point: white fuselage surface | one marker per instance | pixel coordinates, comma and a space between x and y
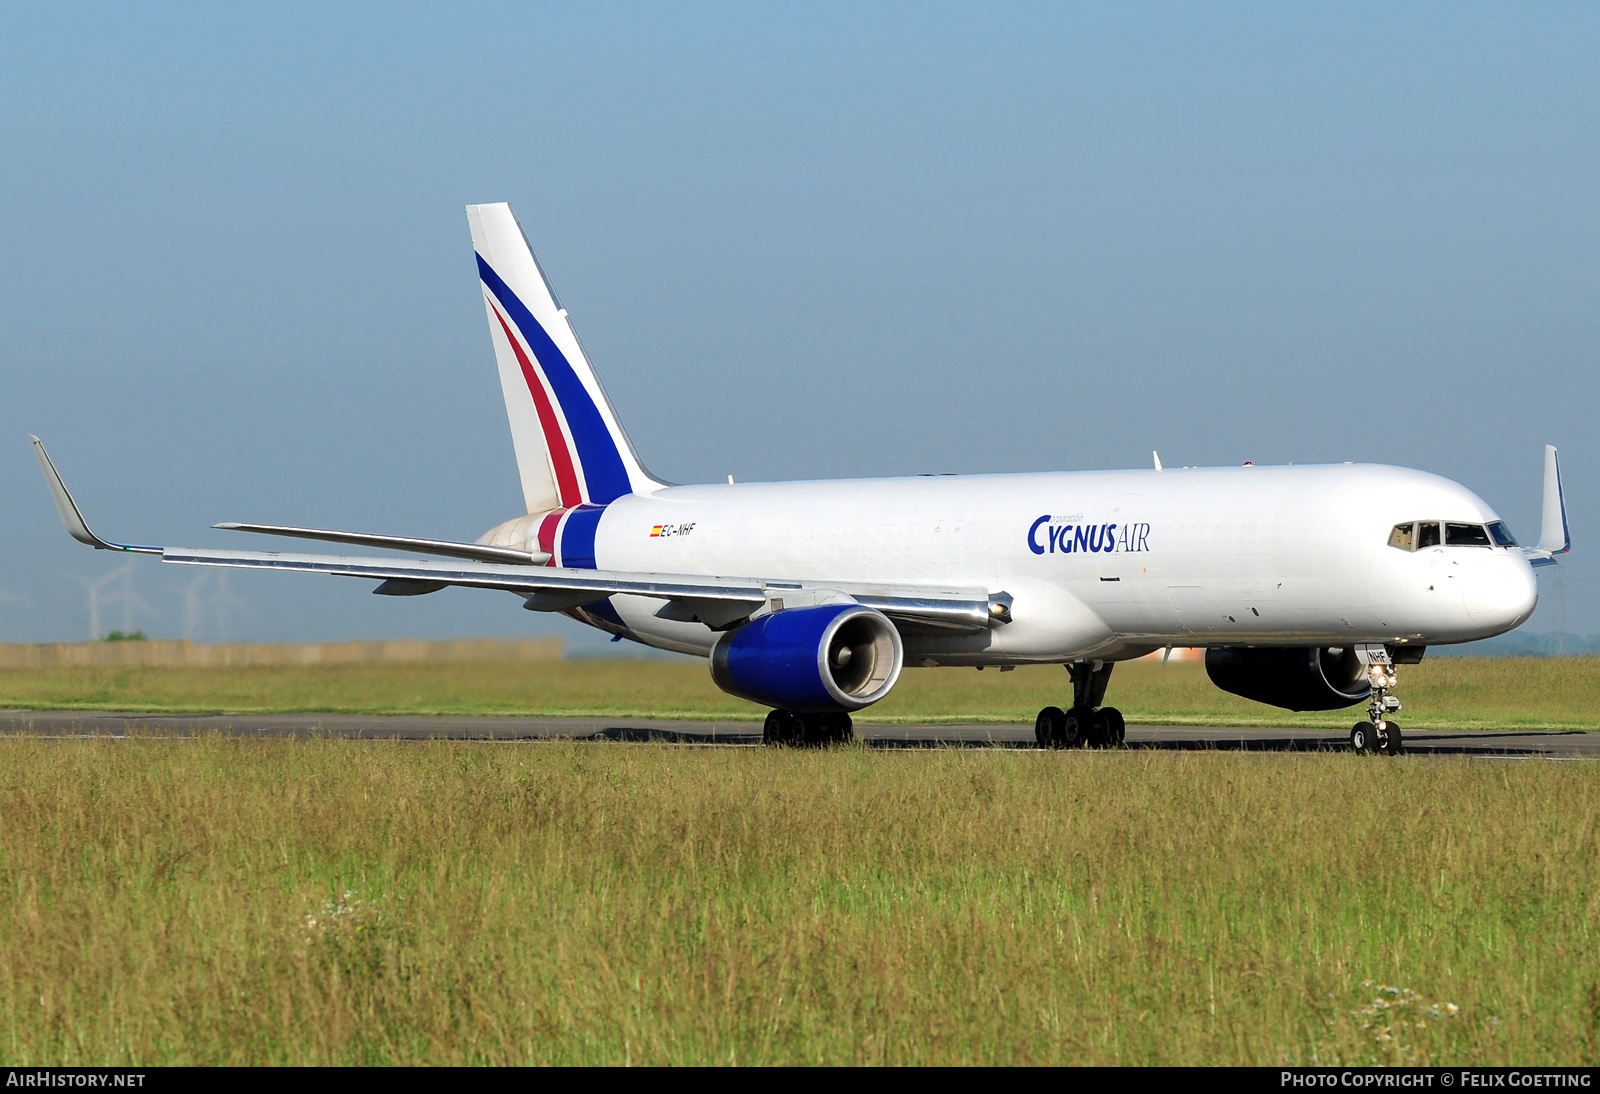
1104, 564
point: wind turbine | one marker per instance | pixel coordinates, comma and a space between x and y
99, 589
191, 605
94, 588
222, 599
131, 599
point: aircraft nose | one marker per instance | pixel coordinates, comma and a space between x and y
1502, 595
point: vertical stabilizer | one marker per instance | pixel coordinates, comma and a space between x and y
571, 449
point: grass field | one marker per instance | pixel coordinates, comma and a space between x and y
218, 900
1440, 694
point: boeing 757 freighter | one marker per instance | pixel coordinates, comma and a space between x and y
1305, 585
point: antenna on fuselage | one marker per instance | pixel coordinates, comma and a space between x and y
1157, 456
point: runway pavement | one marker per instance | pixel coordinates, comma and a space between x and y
72, 723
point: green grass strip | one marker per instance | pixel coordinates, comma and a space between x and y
1443, 693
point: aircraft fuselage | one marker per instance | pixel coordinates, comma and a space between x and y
1099, 563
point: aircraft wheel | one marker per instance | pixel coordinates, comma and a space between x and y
841, 731
1075, 728
1393, 745
1099, 729
1116, 727
1049, 726
809, 730
819, 730
784, 727
1363, 738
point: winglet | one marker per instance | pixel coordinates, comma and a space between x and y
1553, 533
77, 527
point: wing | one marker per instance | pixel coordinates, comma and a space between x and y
715, 600
77, 527
718, 601
449, 548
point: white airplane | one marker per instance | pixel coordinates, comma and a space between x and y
1305, 585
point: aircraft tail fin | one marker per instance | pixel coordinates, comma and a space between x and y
571, 449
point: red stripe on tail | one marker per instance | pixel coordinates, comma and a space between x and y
560, 455
547, 534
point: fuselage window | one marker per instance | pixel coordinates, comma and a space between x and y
1427, 534
1404, 537
1465, 535
1502, 535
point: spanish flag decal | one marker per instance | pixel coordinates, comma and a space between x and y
656, 531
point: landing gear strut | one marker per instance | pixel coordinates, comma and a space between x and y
786, 727
1378, 733
1087, 724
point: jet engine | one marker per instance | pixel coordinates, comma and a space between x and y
822, 659
1298, 678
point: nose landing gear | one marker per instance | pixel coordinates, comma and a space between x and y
1378, 733
1087, 724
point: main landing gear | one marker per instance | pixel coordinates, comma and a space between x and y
1378, 733
1087, 724
786, 727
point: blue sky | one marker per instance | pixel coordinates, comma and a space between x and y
798, 242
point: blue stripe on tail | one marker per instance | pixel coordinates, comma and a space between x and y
577, 536
604, 475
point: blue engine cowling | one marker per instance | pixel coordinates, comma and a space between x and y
823, 659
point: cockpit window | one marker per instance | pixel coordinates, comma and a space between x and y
1465, 535
1415, 535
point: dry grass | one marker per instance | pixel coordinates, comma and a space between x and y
1439, 694
170, 901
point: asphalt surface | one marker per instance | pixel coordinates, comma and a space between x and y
72, 723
